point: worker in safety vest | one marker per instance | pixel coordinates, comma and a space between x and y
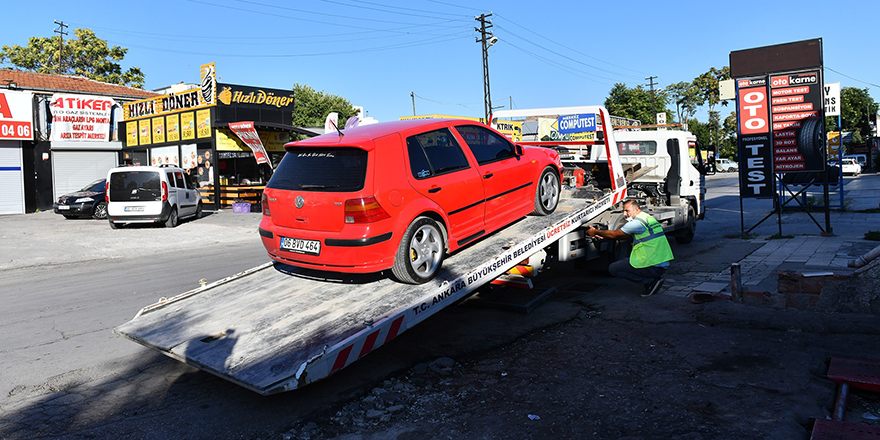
651, 253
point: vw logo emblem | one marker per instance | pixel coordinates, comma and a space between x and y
299, 202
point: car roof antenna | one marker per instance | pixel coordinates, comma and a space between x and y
341, 134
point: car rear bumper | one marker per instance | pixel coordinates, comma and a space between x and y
339, 253
142, 218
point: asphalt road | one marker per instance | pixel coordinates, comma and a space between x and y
66, 375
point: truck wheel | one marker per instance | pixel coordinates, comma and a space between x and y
686, 235
420, 253
173, 219
547, 193
100, 211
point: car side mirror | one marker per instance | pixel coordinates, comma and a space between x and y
518, 149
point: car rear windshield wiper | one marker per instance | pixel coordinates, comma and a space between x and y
303, 186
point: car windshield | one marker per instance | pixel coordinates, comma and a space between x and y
96, 186
331, 169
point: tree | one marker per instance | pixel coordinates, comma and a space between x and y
312, 107
708, 94
635, 103
728, 147
685, 97
857, 110
85, 55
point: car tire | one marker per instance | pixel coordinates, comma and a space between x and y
810, 141
421, 251
173, 219
100, 212
686, 235
115, 225
199, 212
547, 192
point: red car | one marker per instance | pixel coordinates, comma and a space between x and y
401, 195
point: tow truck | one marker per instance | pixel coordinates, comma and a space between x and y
276, 328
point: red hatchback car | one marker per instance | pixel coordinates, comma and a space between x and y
401, 195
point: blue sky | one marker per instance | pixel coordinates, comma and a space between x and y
376, 52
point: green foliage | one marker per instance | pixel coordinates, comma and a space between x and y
857, 108
312, 107
727, 147
84, 55
685, 97
701, 131
707, 86
635, 103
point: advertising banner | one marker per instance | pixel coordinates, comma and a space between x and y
16, 115
164, 156
832, 99
172, 128
755, 155
131, 133
187, 126
80, 118
203, 123
245, 130
797, 121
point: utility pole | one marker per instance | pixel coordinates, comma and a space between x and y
487, 40
653, 106
61, 33
413, 96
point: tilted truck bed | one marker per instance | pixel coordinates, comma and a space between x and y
276, 328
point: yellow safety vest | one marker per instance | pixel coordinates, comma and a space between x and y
650, 248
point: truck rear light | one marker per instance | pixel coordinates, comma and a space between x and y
264, 202
164, 191
364, 210
107, 192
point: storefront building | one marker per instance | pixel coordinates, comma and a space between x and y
57, 135
230, 136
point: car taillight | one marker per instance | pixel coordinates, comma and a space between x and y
164, 191
364, 210
264, 202
107, 192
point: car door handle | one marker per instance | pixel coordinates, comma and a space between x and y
486, 176
435, 189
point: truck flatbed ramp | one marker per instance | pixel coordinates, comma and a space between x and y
275, 328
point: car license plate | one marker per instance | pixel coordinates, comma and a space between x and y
63, 207
134, 209
298, 245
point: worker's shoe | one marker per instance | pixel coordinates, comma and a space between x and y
652, 288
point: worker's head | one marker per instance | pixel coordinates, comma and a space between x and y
631, 209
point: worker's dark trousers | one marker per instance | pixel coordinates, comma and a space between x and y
643, 276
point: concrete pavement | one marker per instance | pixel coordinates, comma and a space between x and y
803, 247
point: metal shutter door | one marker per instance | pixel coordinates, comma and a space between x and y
73, 170
11, 185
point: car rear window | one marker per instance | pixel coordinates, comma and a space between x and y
135, 186
332, 169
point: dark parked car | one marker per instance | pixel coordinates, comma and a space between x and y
87, 202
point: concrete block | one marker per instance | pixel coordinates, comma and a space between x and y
812, 285
801, 301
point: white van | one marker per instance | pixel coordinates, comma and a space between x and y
163, 195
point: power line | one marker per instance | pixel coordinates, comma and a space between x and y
435, 40
454, 5
437, 102
854, 79
318, 21
392, 7
572, 50
578, 73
